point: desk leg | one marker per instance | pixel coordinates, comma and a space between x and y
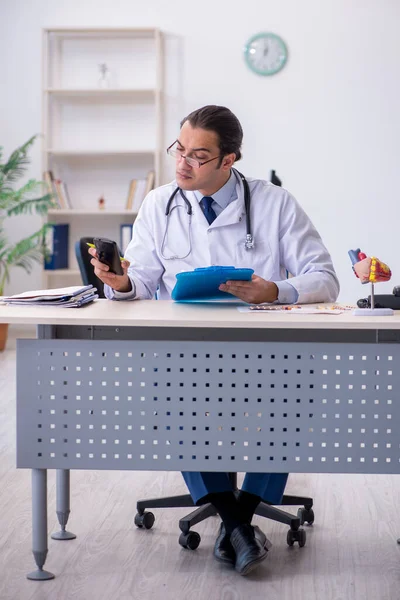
62, 507
39, 524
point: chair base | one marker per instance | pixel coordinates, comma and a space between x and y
264, 509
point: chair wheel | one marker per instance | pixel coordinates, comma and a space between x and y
145, 520
306, 515
296, 536
302, 537
190, 540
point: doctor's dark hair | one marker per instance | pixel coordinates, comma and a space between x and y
224, 123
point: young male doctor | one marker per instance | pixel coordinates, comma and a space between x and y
163, 244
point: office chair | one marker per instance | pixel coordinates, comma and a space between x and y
274, 178
191, 539
87, 272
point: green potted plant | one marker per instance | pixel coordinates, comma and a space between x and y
15, 201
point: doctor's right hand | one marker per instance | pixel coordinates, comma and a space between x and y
120, 283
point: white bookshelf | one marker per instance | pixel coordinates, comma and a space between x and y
97, 138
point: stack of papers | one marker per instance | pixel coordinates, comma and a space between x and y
69, 297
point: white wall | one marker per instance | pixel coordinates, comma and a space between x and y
328, 123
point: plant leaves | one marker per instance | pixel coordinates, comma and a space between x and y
16, 165
40, 205
13, 202
26, 252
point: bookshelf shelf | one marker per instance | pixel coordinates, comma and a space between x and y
104, 32
77, 92
102, 112
103, 152
63, 272
60, 212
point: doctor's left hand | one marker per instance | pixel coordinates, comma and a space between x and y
256, 291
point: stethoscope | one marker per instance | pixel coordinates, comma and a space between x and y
249, 241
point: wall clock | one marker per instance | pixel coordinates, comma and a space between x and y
265, 53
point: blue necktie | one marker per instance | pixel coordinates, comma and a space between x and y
209, 212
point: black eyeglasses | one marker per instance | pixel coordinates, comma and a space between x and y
190, 161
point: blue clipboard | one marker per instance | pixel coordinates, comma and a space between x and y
203, 283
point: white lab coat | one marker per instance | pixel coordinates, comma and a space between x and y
284, 237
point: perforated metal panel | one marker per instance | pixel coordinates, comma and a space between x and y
216, 406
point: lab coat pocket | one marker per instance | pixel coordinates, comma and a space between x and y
260, 258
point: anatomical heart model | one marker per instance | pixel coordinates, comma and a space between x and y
370, 269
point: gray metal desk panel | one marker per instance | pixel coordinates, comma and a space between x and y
226, 406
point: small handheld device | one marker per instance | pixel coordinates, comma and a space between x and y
108, 253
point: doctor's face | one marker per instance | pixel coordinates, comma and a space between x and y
202, 146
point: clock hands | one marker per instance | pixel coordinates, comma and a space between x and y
263, 55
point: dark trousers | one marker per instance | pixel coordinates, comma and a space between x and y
269, 486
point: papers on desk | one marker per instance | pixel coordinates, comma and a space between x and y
295, 309
69, 297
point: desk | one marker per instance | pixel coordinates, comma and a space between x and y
162, 386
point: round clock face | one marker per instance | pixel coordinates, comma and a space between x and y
266, 53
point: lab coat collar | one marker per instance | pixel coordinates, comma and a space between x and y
233, 213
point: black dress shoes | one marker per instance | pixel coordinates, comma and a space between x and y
223, 549
248, 549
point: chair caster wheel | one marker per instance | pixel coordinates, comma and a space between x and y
145, 520
190, 540
296, 536
306, 515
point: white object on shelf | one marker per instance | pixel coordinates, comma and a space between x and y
104, 81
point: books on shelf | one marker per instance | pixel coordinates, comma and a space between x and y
50, 187
66, 194
138, 190
62, 194
139, 195
58, 189
69, 297
131, 193
149, 182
